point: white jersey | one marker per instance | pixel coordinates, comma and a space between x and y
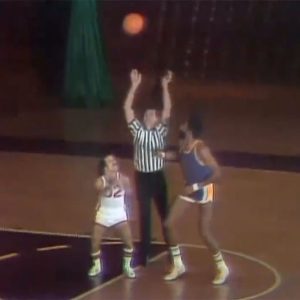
112, 198
112, 206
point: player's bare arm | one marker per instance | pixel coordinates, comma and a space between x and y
99, 184
125, 183
168, 155
135, 78
167, 104
204, 153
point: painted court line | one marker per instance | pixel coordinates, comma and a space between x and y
50, 248
110, 282
277, 278
62, 234
276, 282
7, 256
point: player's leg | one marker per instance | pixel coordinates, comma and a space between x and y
128, 250
177, 210
144, 195
222, 271
162, 206
98, 232
161, 202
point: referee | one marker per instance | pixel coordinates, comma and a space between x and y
149, 136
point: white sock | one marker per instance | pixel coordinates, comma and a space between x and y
127, 257
96, 256
176, 255
219, 261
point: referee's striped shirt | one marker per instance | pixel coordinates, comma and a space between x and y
146, 142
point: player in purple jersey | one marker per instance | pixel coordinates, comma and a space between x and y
201, 171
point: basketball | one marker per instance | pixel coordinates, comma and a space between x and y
133, 23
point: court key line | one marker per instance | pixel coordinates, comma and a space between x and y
8, 256
276, 274
275, 284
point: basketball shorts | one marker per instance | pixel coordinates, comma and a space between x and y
110, 217
202, 196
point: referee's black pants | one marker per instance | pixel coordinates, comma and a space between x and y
150, 186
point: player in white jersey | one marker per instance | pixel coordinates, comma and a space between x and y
112, 187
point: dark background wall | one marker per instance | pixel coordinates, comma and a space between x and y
238, 60
216, 41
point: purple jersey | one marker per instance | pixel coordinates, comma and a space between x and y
194, 170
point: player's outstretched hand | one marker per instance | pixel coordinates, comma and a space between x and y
135, 77
167, 78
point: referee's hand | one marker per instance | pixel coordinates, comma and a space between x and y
167, 78
160, 153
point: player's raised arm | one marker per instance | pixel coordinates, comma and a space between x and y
167, 104
135, 78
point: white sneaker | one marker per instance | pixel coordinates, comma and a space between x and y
176, 272
129, 272
221, 276
96, 268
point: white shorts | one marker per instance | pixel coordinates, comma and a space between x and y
110, 217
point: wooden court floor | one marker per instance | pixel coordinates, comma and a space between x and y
256, 221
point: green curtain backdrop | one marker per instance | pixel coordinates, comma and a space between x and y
87, 79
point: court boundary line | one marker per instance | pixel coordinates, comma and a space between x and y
51, 248
121, 276
276, 282
38, 232
8, 255
276, 274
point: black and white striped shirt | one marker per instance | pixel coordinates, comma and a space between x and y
146, 142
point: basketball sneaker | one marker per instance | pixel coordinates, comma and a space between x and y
129, 272
96, 268
221, 276
176, 272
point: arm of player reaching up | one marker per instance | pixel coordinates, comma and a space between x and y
135, 78
205, 155
167, 104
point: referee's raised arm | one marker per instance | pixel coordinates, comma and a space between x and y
136, 79
149, 137
167, 104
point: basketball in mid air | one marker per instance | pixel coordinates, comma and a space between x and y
133, 23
